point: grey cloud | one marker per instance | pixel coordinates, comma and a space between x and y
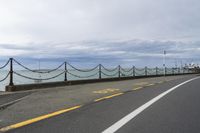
119, 52
78, 20
122, 31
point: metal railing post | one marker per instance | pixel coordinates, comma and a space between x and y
156, 70
65, 71
11, 72
99, 71
119, 71
145, 71
133, 71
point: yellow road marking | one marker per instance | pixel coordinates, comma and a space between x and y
27, 122
141, 83
149, 85
137, 88
104, 91
107, 97
161, 82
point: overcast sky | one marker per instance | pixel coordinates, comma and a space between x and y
101, 31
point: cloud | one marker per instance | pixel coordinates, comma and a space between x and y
138, 52
78, 20
122, 31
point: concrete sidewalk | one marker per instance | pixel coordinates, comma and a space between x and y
40, 102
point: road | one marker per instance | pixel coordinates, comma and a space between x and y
177, 111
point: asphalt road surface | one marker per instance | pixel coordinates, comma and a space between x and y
163, 108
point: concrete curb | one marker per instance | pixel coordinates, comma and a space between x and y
3, 106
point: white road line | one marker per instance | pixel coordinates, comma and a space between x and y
133, 114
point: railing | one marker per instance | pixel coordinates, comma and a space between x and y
66, 69
7, 75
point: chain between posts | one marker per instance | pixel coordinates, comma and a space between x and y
82, 76
82, 70
127, 71
5, 64
37, 71
109, 70
8, 74
119, 71
110, 75
39, 78
5, 77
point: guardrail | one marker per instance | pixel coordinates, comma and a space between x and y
100, 71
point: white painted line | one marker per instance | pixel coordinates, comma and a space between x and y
133, 114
